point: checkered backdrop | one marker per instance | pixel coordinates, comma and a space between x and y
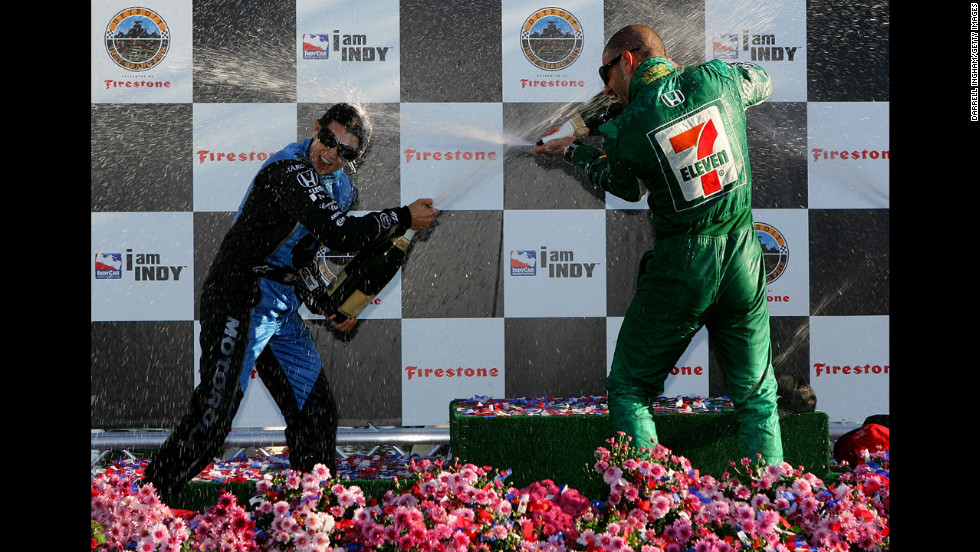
520, 286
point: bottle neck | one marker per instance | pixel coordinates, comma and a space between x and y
402, 242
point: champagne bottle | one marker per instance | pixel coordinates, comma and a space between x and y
345, 291
586, 120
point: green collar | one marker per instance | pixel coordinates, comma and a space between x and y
648, 71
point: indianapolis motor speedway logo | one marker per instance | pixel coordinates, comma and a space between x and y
137, 39
552, 38
775, 250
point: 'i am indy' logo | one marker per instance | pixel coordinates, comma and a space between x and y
750, 47
346, 47
700, 156
143, 267
552, 38
555, 263
137, 39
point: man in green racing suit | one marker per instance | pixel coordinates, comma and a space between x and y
682, 140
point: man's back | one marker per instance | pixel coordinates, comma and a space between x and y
683, 138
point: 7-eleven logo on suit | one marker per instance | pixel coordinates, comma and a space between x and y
700, 155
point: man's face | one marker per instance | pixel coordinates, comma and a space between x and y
619, 78
327, 158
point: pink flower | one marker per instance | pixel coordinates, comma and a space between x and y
321, 472
801, 487
281, 508
613, 476
660, 505
158, 533
766, 521
744, 513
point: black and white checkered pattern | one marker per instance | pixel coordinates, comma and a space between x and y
459, 322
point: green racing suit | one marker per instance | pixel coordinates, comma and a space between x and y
682, 141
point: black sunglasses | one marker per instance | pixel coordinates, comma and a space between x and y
604, 70
329, 140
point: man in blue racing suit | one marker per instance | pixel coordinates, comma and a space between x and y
250, 312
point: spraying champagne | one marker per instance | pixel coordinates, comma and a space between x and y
329, 287
585, 122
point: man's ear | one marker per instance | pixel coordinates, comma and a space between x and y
631, 60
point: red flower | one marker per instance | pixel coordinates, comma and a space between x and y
184, 514
485, 515
528, 530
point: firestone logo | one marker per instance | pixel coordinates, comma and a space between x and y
552, 39
137, 39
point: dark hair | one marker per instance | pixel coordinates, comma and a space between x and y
353, 119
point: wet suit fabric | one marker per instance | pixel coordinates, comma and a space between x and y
250, 316
682, 140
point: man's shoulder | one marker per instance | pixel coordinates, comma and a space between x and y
728, 67
285, 166
711, 65
289, 159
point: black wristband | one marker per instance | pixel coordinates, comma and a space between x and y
570, 149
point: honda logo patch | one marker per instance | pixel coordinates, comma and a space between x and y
673, 98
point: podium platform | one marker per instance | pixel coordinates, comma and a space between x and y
555, 438
559, 444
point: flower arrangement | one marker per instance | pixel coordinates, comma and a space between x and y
657, 502
125, 516
455, 507
224, 527
302, 511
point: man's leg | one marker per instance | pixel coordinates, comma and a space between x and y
292, 371
659, 325
740, 330
198, 437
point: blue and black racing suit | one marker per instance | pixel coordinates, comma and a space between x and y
250, 315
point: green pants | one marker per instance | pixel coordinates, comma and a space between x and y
686, 282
